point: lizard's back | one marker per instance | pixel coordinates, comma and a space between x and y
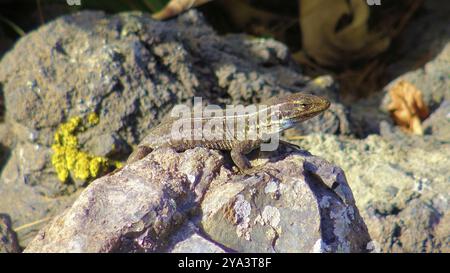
220, 132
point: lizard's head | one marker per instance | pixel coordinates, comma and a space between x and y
299, 107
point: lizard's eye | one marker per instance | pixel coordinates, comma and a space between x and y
303, 105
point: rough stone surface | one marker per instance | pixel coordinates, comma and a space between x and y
189, 239
134, 210
401, 181
8, 239
401, 190
285, 207
131, 71
288, 209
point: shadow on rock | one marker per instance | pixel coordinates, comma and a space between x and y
8, 238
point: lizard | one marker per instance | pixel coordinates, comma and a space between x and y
282, 112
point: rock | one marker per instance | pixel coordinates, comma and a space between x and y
366, 118
162, 188
195, 243
130, 70
438, 123
177, 197
400, 186
291, 210
190, 240
400, 181
8, 238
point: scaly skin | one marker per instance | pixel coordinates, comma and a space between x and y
285, 112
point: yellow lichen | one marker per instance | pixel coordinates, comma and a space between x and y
81, 170
118, 164
58, 161
93, 119
97, 165
68, 160
71, 157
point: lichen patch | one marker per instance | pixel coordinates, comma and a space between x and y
242, 211
69, 160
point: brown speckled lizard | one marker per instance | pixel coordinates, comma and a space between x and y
280, 113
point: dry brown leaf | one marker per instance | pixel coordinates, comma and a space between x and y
175, 7
407, 107
331, 45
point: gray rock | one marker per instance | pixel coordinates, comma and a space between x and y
366, 118
288, 209
189, 239
438, 124
8, 238
195, 243
130, 70
285, 207
401, 181
401, 188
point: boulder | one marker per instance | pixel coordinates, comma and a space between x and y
195, 201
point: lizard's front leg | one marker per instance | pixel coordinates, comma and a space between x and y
238, 155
